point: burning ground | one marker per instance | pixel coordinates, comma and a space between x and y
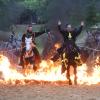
47, 72
47, 83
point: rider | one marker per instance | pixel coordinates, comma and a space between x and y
29, 34
69, 34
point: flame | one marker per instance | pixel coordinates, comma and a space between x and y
57, 45
48, 71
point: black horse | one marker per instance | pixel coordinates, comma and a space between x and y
70, 57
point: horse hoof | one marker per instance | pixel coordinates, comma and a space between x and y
70, 83
75, 82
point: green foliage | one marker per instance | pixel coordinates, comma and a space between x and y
92, 15
39, 6
51, 10
34, 4
9, 12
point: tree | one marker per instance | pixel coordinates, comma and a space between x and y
91, 18
9, 12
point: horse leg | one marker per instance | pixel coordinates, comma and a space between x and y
37, 55
34, 65
22, 58
75, 74
68, 74
63, 68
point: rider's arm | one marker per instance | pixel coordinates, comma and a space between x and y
59, 27
39, 33
62, 32
79, 30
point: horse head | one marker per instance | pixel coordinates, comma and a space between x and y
29, 46
28, 42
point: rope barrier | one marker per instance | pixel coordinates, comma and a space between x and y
86, 47
10, 50
90, 48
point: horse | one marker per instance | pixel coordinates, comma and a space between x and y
70, 57
29, 57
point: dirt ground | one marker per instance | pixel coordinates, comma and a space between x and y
49, 92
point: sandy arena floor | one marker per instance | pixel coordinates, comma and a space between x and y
49, 92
